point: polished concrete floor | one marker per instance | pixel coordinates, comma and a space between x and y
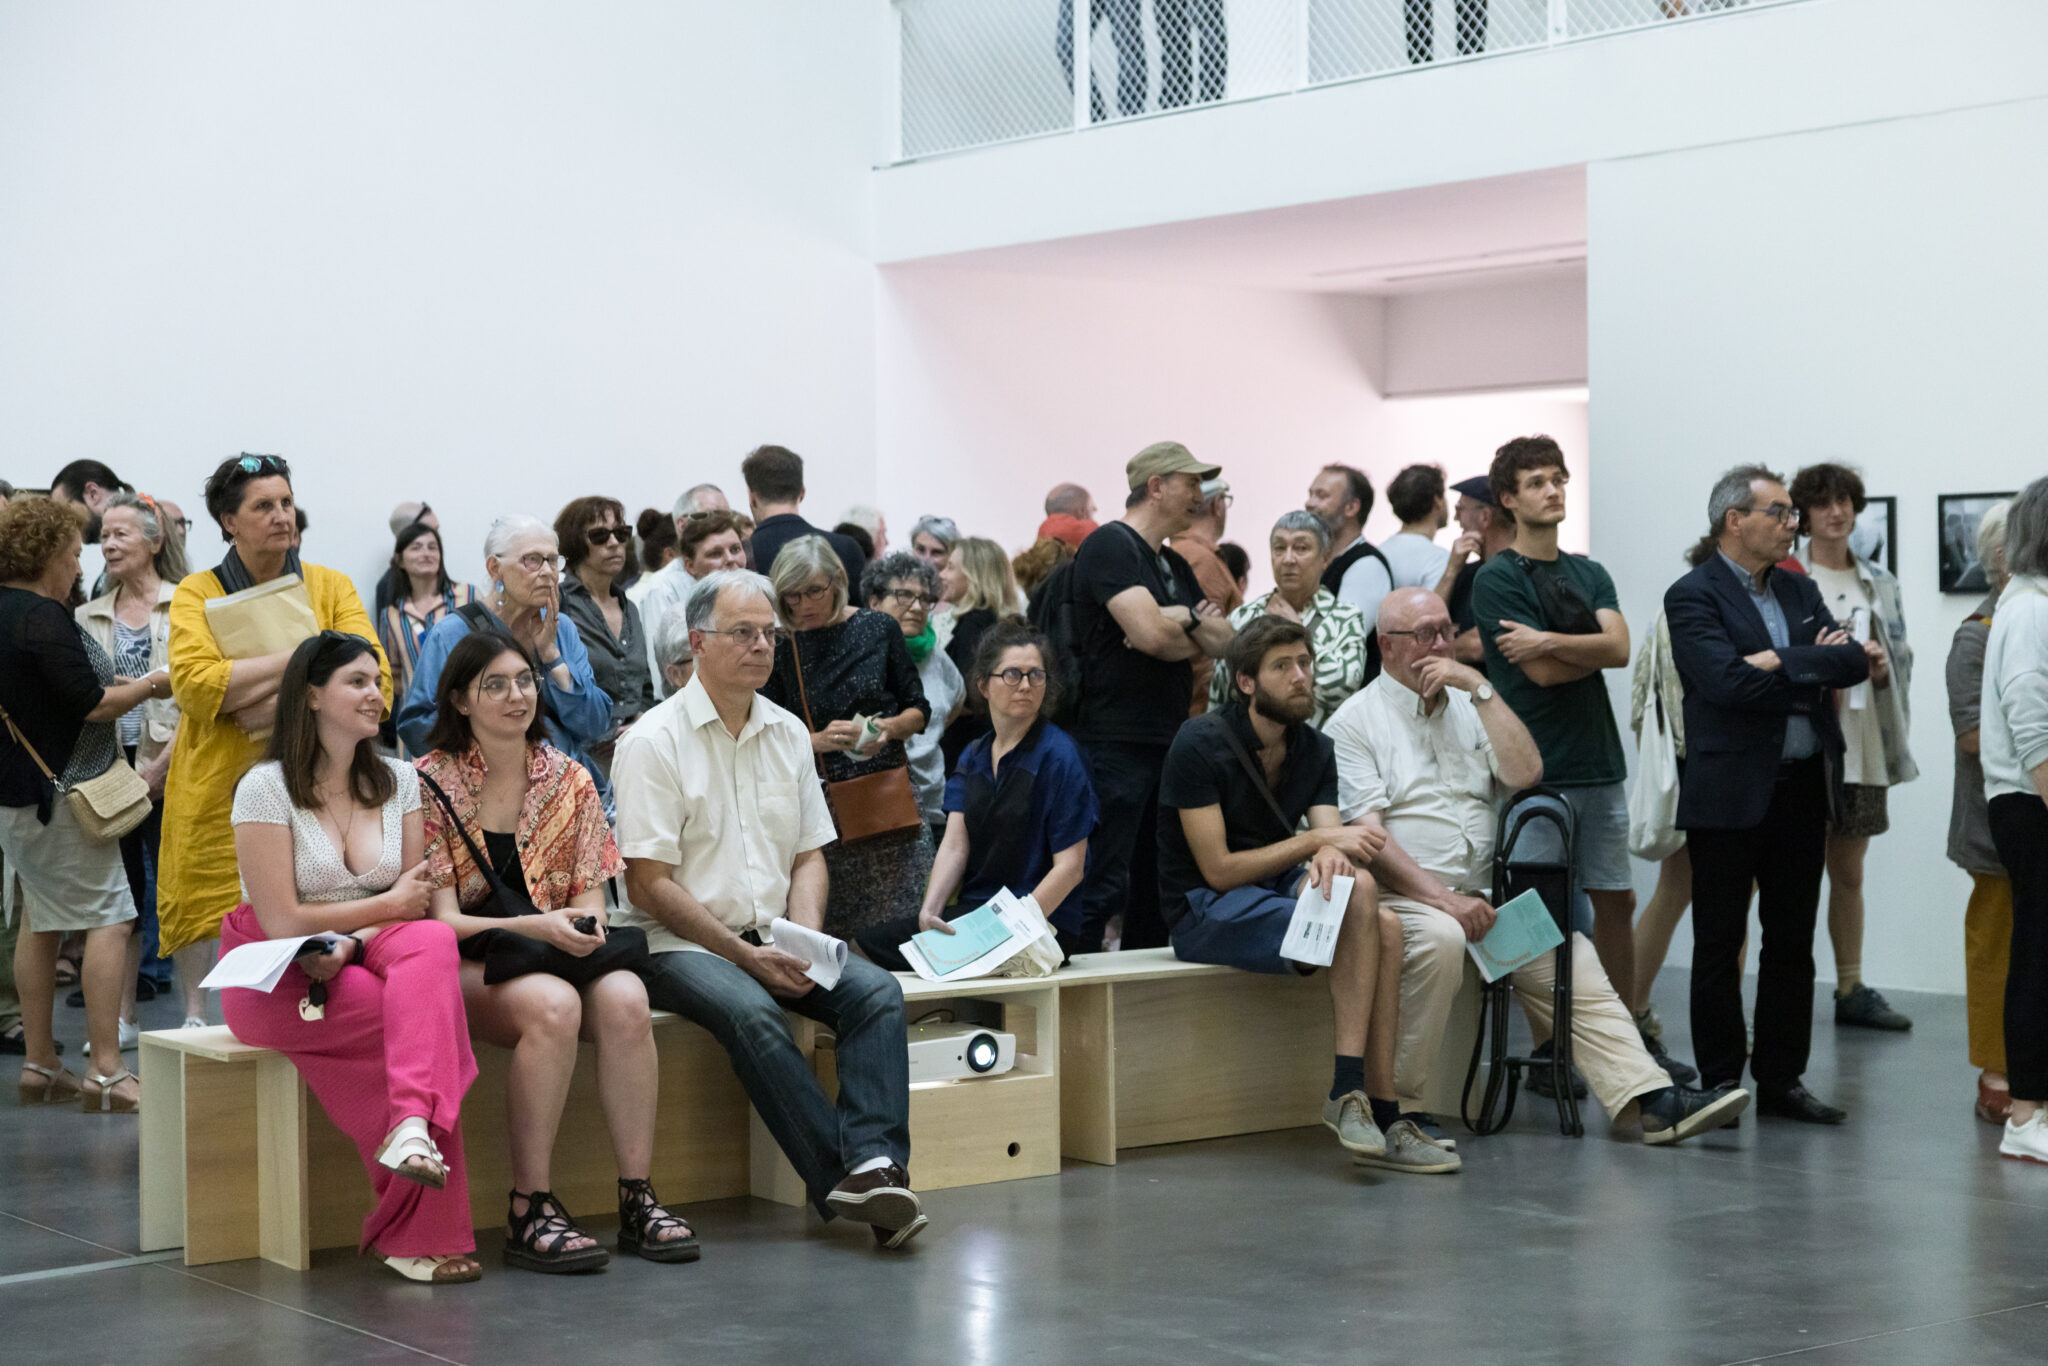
1901, 1238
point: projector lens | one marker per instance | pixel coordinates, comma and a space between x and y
982, 1053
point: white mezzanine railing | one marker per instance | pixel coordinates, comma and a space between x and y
973, 72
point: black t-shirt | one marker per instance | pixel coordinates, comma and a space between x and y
775, 532
1127, 695
1202, 770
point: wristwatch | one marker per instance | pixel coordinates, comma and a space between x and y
1483, 693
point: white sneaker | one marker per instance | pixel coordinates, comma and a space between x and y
131, 1035
195, 1022
1409, 1150
1349, 1117
2027, 1142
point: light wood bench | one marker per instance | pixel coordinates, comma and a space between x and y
238, 1162
1156, 1050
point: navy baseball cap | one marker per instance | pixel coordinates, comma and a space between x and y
1478, 488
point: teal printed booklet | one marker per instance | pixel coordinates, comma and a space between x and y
981, 941
1523, 933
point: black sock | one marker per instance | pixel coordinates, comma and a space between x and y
1350, 1076
1384, 1112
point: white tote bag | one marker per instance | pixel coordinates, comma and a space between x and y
1653, 832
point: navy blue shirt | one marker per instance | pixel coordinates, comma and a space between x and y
1038, 804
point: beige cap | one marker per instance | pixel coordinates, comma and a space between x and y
1166, 457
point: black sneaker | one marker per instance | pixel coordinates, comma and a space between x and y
1431, 1130
1680, 1074
1866, 1008
1678, 1112
1537, 1079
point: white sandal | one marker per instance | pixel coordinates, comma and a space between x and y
409, 1141
434, 1270
109, 1103
57, 1086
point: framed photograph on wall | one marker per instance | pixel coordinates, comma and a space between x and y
1876, 537
1959, 514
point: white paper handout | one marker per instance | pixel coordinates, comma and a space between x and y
825, 954
260, 966
1312, 930
1859, 631
982, 940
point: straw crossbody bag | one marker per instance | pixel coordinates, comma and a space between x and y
870, 805
106, 807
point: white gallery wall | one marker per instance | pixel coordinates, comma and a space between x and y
992, 387
1870, 294
493, 255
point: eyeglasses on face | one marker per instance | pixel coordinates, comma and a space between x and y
1017, 678
498, 687
1782, 513
746, 637
263, 464
811, 592
604, 535
910, 595
1428, 637
533, 562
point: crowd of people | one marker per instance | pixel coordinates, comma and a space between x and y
526, 811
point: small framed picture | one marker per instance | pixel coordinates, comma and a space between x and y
1959, 514
1876, 537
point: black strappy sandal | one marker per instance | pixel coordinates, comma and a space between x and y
642, 1221
539, 1238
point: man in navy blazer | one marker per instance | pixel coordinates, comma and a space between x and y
1759, 656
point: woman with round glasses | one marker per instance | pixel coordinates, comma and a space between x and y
534, 814
330, 842
907, 588
1020, 807
593, 535
522, 565
848, 673
228, 705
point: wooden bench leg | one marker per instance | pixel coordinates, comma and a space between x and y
1088, 1073
220, 1152
163, 1146
283, 1201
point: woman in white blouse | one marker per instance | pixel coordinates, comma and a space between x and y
330, 842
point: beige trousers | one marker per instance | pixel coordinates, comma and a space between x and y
1606, 1046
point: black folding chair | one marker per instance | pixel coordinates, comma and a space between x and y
1554, 881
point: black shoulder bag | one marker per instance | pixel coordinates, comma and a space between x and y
1565, 609
506, 954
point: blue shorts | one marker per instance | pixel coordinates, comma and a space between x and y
1243, 927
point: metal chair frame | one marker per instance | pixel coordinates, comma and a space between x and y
1556, 882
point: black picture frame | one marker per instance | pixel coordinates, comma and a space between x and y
1955, 530
1876, 537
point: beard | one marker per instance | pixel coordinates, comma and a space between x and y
1281, 710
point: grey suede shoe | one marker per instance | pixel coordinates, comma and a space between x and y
1409, 1150
1349, 1117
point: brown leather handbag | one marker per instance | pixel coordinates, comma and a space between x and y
870, 805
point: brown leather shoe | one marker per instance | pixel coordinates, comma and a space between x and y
883, 1198
1994, 1106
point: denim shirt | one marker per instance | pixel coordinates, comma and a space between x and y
1802, 741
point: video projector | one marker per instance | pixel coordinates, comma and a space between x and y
956, 1052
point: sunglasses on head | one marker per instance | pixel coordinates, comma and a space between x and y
263, 464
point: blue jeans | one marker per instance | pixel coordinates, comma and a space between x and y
865, 1012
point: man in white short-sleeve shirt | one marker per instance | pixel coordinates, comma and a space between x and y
721, 821
1424, 753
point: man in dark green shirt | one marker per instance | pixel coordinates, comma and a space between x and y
1551, 623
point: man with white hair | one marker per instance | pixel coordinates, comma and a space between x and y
522, 599
668, 588
723, 822
1424, 754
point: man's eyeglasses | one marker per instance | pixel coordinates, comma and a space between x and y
498, 687
1017, 678
1782, 513
604, 535
746, 637
533, 562
263, 464
910, 595
1428, 637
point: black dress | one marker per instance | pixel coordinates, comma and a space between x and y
859, 667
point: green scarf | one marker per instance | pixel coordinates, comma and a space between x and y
921, 645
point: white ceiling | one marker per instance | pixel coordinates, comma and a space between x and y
1477, 232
